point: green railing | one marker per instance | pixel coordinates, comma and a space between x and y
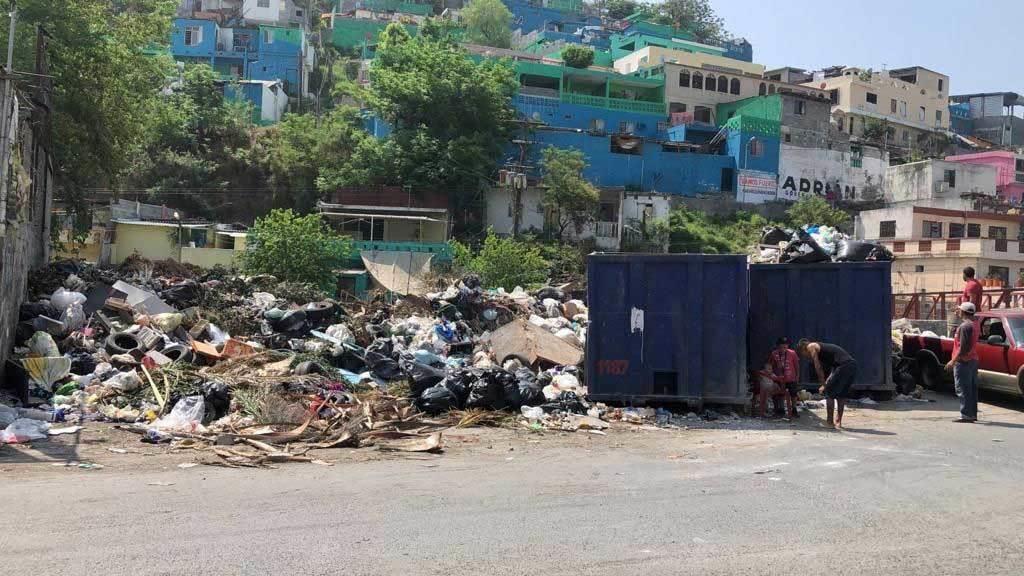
442, 251
615, 103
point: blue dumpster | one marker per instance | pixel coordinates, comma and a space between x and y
667, 328
849, 304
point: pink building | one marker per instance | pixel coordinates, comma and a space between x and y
1009, 172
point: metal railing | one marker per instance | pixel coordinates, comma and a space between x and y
614, 103
606, 229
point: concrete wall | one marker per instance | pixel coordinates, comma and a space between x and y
909, 99
207, 41
500, 210
866, 225
554, 112
910, 223
691, 96
1009, 182
924, 183
210, 257
654, 55
831, 173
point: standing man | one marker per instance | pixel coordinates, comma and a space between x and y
836, 371
972, 288
964, 363
786, 371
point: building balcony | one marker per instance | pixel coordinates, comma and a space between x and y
388, 197
640, 106
990, 248
606, 229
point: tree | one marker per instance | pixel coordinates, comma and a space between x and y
393, 35
813, 209
619, 9
689, 231
567, 193
294, 249
577, 56
877, 130
695, 16
507, 263
488, 22
450, 118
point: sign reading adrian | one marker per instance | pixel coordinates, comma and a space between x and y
755, 187
793, 188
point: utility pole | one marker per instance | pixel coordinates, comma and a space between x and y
5, 117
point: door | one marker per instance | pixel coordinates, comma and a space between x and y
994, 356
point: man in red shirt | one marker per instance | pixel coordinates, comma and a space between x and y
972, 289
964, 364
786, 371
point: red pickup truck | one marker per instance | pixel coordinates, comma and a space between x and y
1000, 353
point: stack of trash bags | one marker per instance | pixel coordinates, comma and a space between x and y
813, 244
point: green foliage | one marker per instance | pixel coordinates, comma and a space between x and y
567, 193
689, 231
812, 209
488, 22
577, 56
294, 248
392, 36
507, 263
462, 255
877, 130
619, 9
695, 16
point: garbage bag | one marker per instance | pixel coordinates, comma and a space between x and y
422, 376
167, 322
773, 235
41, 345
82, 362
550, 292
183, 295
379, 360
44, 372
292, 321
124, 381
566, 402
7, 415
186, 416
217, 400
24, 430
804, 251
341, 332
458, 389
31, 310
487, 392
471, 281
61, 298
436, 400
73, 317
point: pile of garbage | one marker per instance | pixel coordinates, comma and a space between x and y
814, 244
257, 371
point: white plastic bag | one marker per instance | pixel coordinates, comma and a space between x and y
24, 430
73, 317
7, 415
341, 332
187, 415
532, 412
569, 336
217, 336
124, 381
62, 298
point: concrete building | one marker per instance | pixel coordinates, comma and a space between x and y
650, 56
911, 102
992, 116
933, 245
225, 12
1009, 168
940, 184
188, 241
267, 97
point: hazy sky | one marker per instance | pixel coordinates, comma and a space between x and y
978, 43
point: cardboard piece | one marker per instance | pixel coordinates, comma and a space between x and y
142, 300
531, 343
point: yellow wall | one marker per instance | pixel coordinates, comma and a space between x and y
152, 242
657, 55
210, 257
853, 99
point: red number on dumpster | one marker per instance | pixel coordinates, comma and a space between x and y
612, 367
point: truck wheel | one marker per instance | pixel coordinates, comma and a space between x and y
929, 373
1020, 380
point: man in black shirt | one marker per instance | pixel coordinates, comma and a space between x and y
836, 371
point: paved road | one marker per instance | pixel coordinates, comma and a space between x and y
904, 491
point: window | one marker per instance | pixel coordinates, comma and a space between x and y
956, 230
235, 69
840, 121
597, 124
1019, 164
949, 177
920, 114
723, 84
998, 232
974, 230
887, 229
727, 180
263, 3
193, 35
952, 245
1001, 273
938, 117
899, 246
702, 114
931, 229
762, 90
268, 36
684, 79
918, 268
799, 107
905, 137
872, 98
892, 106
903, 109
627, 127
756, 147
298, 12
924, 246
709, 83
1001, 244
851, 125
789, 137
734, 86
833, 96
942, 84
771, 89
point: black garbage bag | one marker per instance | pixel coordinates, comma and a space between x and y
550, 292
531, 393
82, 362
217, 401
379, 359
436, 400
566, 402
32, 310
853, 251
421, 376
458, 389
880, 254
292, 321
772, 235
183, 295
471, 281
487, 392
804, 251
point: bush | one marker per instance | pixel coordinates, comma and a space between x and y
295, 248
507, 263
577, 56
811, 210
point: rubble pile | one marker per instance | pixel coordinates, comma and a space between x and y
813, 244
253, 372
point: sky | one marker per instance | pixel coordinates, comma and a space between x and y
977, 43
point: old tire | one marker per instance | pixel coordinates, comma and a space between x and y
317, 311
121, 343
1020, 380
929, 371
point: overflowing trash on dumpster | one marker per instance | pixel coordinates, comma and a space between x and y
811, 244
